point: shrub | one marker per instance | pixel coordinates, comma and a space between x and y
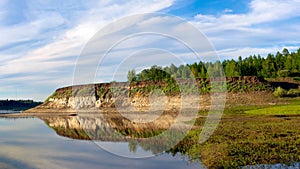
279, 92
297, 78
284, 73
294, 92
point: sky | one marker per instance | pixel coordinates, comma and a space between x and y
41, 40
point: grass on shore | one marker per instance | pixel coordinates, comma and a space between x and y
248, 135
276, 110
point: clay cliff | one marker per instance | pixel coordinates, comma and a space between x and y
144, 95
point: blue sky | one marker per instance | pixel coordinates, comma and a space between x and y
41, 39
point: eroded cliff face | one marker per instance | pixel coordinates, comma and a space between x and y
141, 95
78, 102
139, 103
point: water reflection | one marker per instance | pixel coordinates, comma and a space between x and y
29, 143
8, 111
6, 163
100, 130
274, 166
118, 135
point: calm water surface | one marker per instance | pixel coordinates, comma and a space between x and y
30, 143
8, 111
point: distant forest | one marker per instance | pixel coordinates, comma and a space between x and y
17, 104
282, 64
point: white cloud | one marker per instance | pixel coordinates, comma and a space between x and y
260, 12
227, 10
168, 33
267, 23
63, 36
32, 30
64, 44
230, 53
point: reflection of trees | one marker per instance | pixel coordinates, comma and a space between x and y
132, 145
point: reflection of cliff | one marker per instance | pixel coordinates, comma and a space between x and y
109, 126
116, 129
67, 126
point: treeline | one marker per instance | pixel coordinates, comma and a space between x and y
282, 64
18, 104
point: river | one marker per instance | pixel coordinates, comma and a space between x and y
30, 143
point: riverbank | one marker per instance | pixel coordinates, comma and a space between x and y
248, 136
256, 127
143, 94
258, 130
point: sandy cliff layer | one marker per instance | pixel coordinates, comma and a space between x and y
143, 95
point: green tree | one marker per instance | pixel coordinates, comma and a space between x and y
285, 52
282, 64
231, 69
131, 76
